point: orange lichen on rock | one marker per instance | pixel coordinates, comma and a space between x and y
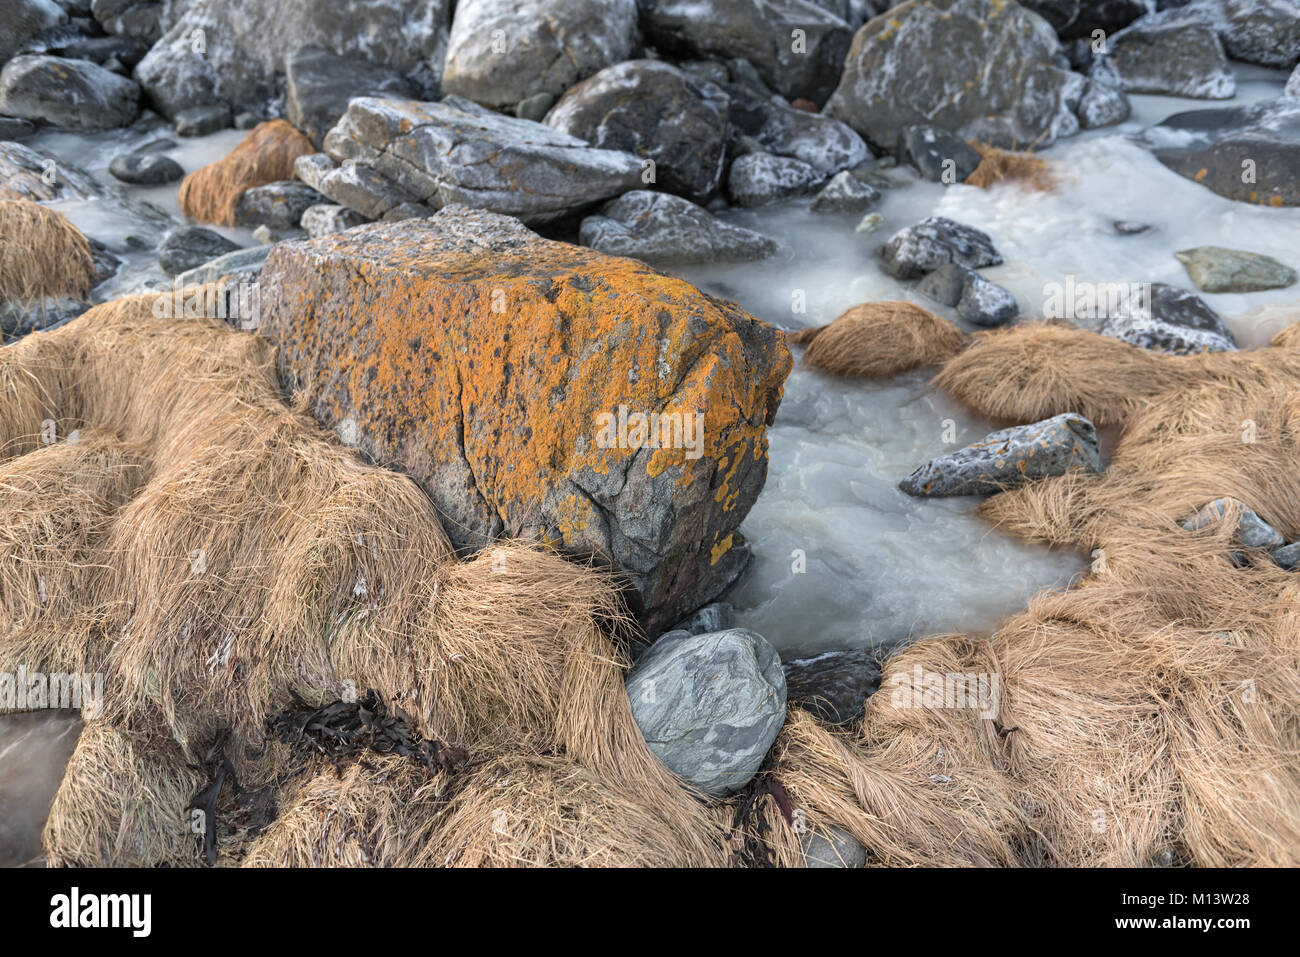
264, 156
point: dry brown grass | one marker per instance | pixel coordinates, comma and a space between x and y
41, 254
879, 339
265, 155
1010, 166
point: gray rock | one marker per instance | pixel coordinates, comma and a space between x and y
246, 120
662, 228
1127, 227
1010, 458
1216, 269
845, 193
1293, 84
837, 848
202, 120
139, 18
936, 154
106, 264
757, 179
985, 303
1169, 320
1217, 148
1251, 532
1178, 60
127, 50
709, 706
501, 52
1076, 19
438, 154
145, 169
240, 266
18, 319
706, 71
655, 111
358, 186
244, 45
23, 19
190, 246
758, 32
323, 219
714, 617
833, 685
22, 170
912, 252
71, 93
1266, 32
945, 284
12, 128
978, 68
1103, 104
318, 85
276, 205
1288, 556
536, 107
825, 144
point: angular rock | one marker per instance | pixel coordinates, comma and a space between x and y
202, 120
139, 18
323, 219
1216, 148
508, 374
833, 685
709, 706
1103, 104
503, 51
845, 193
1293, 84
936, 154
190, 246
662, 228
932, 62
1251, 532
912, 252
1216, 269
127, 50
1077, 19
240, 266
439, 155
24, 19
985, 303
945, 284
72, 93
318, 85
355, 185
1010, 458
1169, 320
714, 617
244, 45
1288, 556
1266, 32
276, 205
22, 176
655, 111
825, 144
1179, 60
106, 264
761, 33
757, 179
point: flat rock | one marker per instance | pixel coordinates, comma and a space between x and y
709, 706
325, 218
22, 176
1178, 60
931, 62
936, 154
502, 51
202, 120
358, 186
276, 205
1251, 531
73, 93
145, 169
845, 193
1009, 458
1216, 269
439, 154
662, 228
985, 303
916, 250
833, 685
653, 110
509, 375
190, 246
1171, 320
757, 179
318, 85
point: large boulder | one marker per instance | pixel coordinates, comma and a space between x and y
979, 68
797, 46
439, 153
1178, 60
1266, 32
1247, 153
662, 228
657, 112
513, 377
72, 93
217, 51
319, 83
1168, 319
501, 52
709, 706
914, 251
23, 19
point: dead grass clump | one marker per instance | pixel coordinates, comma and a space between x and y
1287, 338
1003, 166
41, 254
265, 155
879, 339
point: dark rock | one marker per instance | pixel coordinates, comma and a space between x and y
323, 219
24, 19
145, 169
833, 685
823, 143
655, 111
536, 107
1075, 19
710, 618
319, 84
662, 228
1010, 458
1179, 60
240, 266
190, 246
757, 179
1169, 320
18, 319
202, 120
761, 33
137, 18
1126, 227
1103, 104
709, 706
71, 93
1293, 84
1251, 531
12, 128
936, 154
106, 264
985, 303
127, 50
1288, 556
706, 71
845, 193
1215, 269
945, 284
912, 252
501, 52
979, 68
246, 120
276, 205
1266, 32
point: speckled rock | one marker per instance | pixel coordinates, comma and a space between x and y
709, 706
916, 250
936, 154
186, 247
1009, 458
318, 84
1169, 319
837, 848
985, 303
72, 93
845, 193
1216, 269
23, 19
825, 144
1103, 104
21, 169
1266, 32
535, 361
1288, 556
277, 205
358, 186
757, 179
325, 218
242, 265
662, 228
1251, 531
1179, 60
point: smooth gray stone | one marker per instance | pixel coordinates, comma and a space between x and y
71, 93
324, 219
945, 284
202, 120
190, 246
936, 153
757, 179
841, 849
145, 169
663, 228
242, 265
1176, 60
276, 205
1216, 269
319, 84
1251, 532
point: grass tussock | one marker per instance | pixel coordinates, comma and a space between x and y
1010, 166
878, 339
41, 254
265, 155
